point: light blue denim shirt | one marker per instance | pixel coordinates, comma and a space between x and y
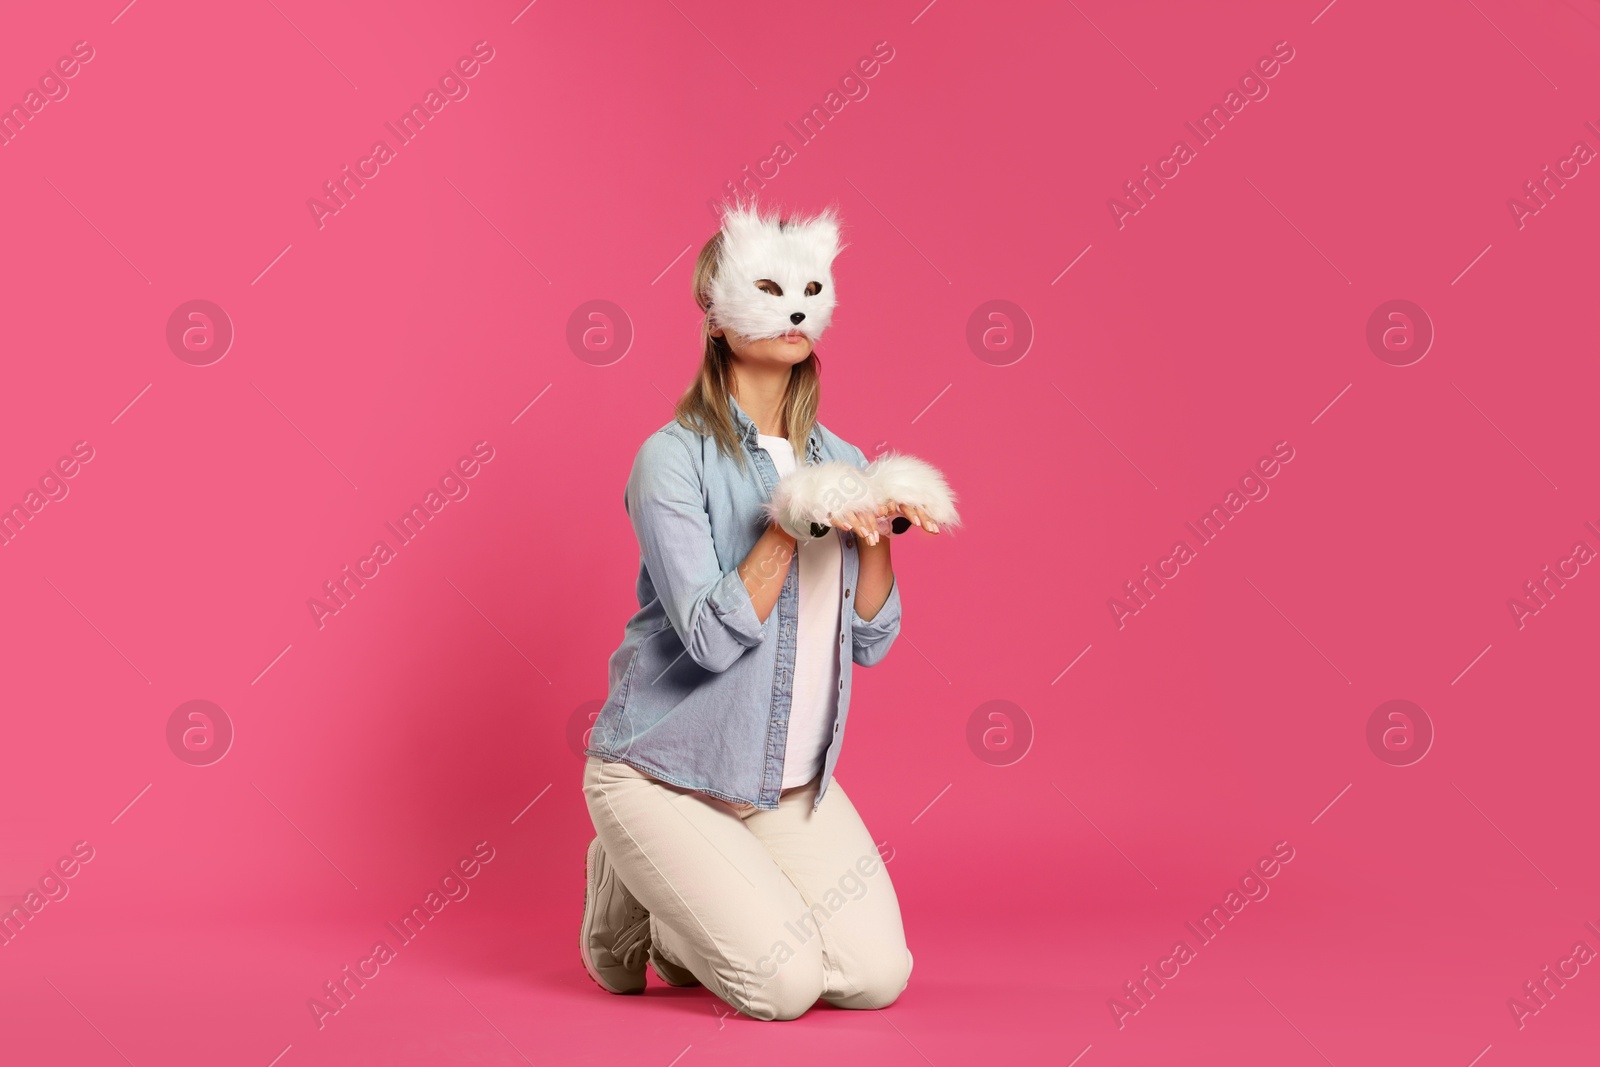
700, 688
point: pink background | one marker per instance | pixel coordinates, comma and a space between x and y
432, 310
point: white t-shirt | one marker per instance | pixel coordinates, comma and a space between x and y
816, 665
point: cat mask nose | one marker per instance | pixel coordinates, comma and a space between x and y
798, 317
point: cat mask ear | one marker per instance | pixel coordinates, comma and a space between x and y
775, 275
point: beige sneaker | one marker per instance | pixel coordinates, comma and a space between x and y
614, 938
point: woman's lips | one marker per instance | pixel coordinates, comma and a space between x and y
794, 337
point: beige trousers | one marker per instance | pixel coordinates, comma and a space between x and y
770, 910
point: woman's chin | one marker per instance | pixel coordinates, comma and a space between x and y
796, 350
790, 348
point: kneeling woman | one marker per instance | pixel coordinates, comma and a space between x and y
726, 853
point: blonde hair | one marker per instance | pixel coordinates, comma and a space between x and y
704, 406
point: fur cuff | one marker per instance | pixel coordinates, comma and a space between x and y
902, 479
806, 498
803, 499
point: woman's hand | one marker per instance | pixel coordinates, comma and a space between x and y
864, 521
860, 521
916, 515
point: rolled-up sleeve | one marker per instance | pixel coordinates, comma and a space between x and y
710, 610
872, 639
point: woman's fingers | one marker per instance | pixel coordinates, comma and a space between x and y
920, 517
864, 521
860, 522
867, 525
894, 510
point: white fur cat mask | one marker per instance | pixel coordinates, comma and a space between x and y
795, 257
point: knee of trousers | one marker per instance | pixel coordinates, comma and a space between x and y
784, 995
876, 983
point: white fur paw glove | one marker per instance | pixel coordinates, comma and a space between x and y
902, 479
806, 498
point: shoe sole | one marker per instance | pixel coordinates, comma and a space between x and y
583, 928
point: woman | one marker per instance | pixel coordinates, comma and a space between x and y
726, 854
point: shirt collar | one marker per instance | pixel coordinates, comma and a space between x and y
749, 431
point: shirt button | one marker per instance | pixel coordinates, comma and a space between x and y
841, 684
847, 592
